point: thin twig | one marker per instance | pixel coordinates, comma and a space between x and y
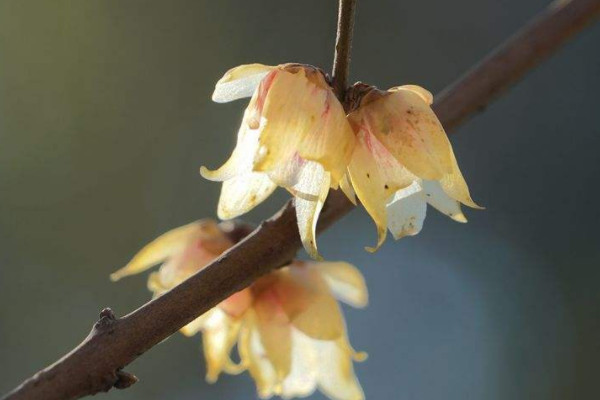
343, 46
95, 365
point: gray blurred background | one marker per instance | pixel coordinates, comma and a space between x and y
105, 117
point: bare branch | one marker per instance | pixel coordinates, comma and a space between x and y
96, 364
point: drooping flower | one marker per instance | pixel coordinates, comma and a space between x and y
403, 160
288, 326
294, 134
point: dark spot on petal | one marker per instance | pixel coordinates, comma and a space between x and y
386, 186
368, 176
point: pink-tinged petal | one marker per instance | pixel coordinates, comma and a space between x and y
406, 125
406, 211
345, 282
301, 116
242, 193
439, 200
240, 82
237, 304
174, 243
455, 186
376, 175
336, 372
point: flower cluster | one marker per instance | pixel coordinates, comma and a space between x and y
390, 151
288, 326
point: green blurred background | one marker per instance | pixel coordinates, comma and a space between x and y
105, 117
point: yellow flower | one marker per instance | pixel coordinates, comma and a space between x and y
403, 160
294, 134
288, 326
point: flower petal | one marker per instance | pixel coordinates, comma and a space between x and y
345, 281
240, 82
242, 193
274, 327
406, 211
410, 130
304, 118
336, 372
422, 92
166, 245
315, 183
302, 380
455, 186
252, 354
375, 176
436, 196
220, 333
306, 299
348, 190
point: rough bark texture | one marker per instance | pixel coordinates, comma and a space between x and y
95, 365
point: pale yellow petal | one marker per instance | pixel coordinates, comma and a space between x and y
455, 186
220, 333
274, 326
315, 182
242, 193
438, 199
336, 372
240, 82
376, 175
406, 211
196, 325
422, 92
347, 188
406, 125
252, 354
308, 303
345, 281
159, 250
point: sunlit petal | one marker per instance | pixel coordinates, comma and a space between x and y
336, 372
376, 175
240, 82
160, 249
455, 186
242, 193
345, 281
438, 199
406, 211
220, 333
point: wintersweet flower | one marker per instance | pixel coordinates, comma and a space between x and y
294, 134
402, 160
288, 326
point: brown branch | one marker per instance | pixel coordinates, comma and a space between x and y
343, 45
95, 365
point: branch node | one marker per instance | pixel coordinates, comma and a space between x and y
107, 318
125, 379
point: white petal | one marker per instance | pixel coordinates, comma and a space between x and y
240, 82
436, 196
302, 380
336, 373
242, 193
406, 211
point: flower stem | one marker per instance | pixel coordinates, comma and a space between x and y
343, 45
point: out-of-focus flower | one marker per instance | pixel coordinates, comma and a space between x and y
403, 160
294, 134
288, 326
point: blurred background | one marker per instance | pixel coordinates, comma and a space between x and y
105, 118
